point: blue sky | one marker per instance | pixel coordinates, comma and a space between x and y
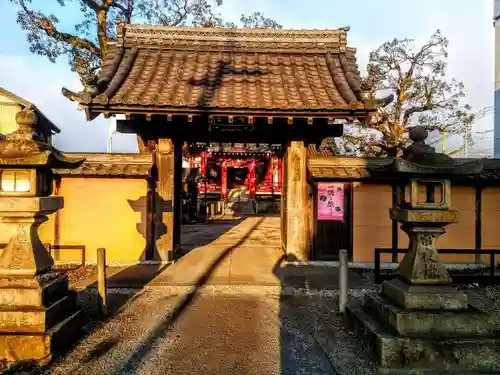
466, 23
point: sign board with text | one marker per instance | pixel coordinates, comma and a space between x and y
330, 201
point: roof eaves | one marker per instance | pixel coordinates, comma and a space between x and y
16, 98
25, 103
44, 120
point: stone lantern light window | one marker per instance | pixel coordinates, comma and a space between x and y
423, 193
18, 182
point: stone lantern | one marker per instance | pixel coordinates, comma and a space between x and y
37, 312
420, 321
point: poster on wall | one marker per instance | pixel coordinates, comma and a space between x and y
331, 201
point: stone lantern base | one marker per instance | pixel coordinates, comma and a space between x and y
428, 328
37, 317
420, 323
38, 313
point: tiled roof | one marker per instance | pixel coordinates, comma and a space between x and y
491, 170
313, 150
114, 165
342, 167
250, 69
352, 168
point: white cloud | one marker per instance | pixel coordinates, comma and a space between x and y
39, 81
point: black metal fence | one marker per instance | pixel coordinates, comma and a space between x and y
51, 248
491, 277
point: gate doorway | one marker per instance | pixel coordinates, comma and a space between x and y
331, 236
285, 87
237, 184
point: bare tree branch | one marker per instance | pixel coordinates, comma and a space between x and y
416, 77
92, 5
86, 45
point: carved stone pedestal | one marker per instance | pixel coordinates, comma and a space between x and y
420, 323
38, 314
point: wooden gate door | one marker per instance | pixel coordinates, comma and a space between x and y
331, 236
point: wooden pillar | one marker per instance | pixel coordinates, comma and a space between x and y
223, 180
279, 174
394, 228
283, 210
478, 222
203, 164
296, 202
252, 179
203, 171
168, 204
269, 178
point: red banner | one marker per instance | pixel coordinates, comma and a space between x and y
331, 201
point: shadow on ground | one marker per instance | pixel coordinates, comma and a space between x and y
137, 276
130, 364
201, 234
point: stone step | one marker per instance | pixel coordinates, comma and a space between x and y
38, 347
394, 354
418, 323
30, 292
36, 319
425, 297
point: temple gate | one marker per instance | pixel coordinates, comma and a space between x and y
180, 86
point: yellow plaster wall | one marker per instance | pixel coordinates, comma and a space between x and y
490, 219
460, 235
372, 225
97, 214
371, 222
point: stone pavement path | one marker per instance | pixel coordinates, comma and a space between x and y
204, 334
230, 252
247, 253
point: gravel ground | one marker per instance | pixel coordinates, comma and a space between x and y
77, 273
214, 333
250, 331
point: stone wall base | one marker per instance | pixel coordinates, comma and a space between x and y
426, 329
37, 318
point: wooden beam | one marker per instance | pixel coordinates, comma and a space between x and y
278, 132
478, 224
394, 229
339, 113
350, 218
150, 217
178, 188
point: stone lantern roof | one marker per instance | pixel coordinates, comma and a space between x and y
420, 159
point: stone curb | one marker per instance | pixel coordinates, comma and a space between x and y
234, 290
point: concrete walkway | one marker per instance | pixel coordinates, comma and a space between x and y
230, 252
247, 253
